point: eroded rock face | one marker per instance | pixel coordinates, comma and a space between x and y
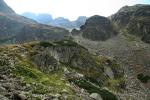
75, 56
45, 62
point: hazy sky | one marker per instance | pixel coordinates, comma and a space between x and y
71, 8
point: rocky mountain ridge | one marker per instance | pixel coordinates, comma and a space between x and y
59, 22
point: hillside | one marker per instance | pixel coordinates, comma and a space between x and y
57, 70
18, 29
134, 20
130, 47
106, 59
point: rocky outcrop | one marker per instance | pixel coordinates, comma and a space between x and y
45, 62
97, 28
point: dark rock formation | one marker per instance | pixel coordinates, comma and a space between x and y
98, 28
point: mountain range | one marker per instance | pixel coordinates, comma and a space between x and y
60, 21
107, 58
18, 29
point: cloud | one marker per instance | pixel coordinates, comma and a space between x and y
71, 8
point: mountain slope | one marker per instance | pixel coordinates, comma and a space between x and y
134, 20
133, 55
18, 29
57, 70
40, 18
129, 47
4, 8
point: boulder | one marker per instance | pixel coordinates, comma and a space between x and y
96, 96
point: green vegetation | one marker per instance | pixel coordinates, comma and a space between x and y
82, 83
117, 85
95, 74
25, 71
129, 37
58, 43
43, 83
45, 44
66, 43
143, 78
82, 62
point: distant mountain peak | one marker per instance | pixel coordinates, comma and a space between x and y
4, 8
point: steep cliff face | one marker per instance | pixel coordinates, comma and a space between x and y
18, 29
63, 67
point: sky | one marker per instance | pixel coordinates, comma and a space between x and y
71, 9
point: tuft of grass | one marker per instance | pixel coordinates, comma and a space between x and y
45, 44
129, 37
116, 85
143, 78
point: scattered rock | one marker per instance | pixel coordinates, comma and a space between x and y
96, 96
3, 97
2, 89
17, 96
